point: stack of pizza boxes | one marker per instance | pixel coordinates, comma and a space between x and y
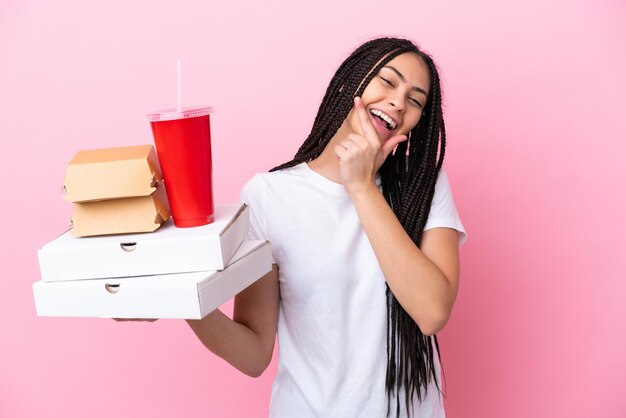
123, 257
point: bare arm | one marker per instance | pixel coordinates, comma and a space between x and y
247, 340
425, 281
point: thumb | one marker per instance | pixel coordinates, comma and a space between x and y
391, 144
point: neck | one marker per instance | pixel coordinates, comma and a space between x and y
327, 164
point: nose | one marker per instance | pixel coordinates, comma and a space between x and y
397, 102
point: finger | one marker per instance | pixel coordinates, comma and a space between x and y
391, 144
347, 150
340, 152
134, 319
356, 141
358, 145
366, 124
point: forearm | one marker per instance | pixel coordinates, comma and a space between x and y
417, 283
236, 343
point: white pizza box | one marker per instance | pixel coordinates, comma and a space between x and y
181, 296
167, 250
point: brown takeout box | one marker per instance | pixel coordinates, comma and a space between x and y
121, 216
112, 173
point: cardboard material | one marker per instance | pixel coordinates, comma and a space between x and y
185, 296
121, 216
112, 173
167, 250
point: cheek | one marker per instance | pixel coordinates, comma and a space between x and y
413, 122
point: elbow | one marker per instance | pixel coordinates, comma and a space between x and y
431, 329
256, 370
429, 332
434, 324
253, 372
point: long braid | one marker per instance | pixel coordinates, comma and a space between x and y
408, 178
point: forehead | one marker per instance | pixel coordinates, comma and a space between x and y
413, 68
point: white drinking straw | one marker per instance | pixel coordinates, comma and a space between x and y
178, 106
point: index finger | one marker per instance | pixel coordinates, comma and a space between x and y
366, 123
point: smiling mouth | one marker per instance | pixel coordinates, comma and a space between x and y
389, 123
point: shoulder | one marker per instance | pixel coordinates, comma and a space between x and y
442, 185
273, 180
443, 211
443, 181
260, 181
254, 183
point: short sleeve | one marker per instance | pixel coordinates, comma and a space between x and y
252, 195
443, 211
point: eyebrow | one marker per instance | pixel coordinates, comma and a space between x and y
418, 89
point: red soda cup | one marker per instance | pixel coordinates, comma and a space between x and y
183, 142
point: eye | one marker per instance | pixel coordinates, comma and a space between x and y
386, 81
415, 102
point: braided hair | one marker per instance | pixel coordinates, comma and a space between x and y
408, 178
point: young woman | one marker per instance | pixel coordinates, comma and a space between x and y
365, 236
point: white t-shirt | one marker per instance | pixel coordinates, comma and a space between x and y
332, 317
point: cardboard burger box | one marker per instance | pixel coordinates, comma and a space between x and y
116, 191
184, 296
121, 216
167, 250
112, 173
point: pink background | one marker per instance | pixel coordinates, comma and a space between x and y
535, 96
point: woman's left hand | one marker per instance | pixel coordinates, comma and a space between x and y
360, 156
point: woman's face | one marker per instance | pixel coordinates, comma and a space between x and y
395, 97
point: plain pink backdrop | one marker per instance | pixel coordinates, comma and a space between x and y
534, 100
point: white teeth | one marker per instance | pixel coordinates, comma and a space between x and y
386, 118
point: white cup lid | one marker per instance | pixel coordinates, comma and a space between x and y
184, 113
